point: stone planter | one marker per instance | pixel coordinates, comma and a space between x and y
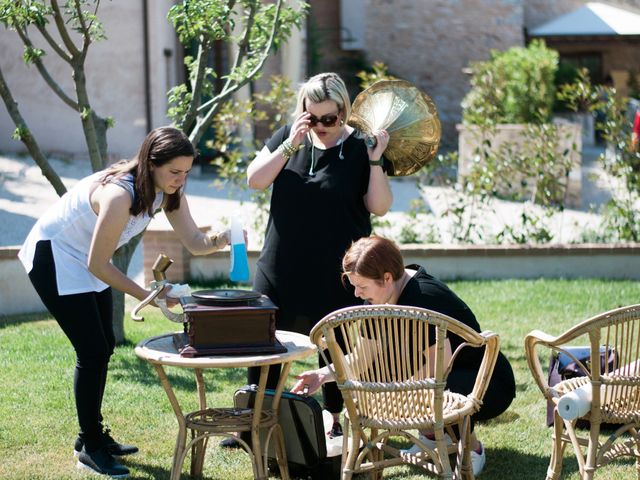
512, 136
586, 121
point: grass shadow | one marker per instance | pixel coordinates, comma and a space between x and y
520, 464
19, 319
130, 368
150, 471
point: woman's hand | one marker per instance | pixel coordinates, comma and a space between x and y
309, 382
382, 140
299, 129
164, 294
267, 165
224, 238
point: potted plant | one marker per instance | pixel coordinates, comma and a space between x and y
508, 144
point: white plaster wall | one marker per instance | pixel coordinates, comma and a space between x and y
353, 24
446, 262
165, 59
464, 263
115, 74
17, 295
500, 267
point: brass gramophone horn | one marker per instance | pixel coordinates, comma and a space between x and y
410, 117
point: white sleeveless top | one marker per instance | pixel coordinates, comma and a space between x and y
69, 225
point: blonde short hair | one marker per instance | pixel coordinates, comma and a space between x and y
321, 87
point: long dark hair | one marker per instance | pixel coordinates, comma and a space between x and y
160, 146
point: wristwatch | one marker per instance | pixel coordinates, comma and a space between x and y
377, 163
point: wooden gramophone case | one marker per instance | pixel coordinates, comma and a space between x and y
227, 328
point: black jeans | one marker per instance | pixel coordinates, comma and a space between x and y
87, 321
500, 392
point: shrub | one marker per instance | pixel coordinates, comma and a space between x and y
515, 86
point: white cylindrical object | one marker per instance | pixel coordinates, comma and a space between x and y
575, 404
237, 234
327, 419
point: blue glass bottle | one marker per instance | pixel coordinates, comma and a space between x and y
239, 269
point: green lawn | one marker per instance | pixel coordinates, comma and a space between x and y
37, 413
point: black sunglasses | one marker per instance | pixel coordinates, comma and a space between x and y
326, 120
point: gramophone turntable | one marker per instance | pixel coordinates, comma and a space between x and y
227, 322
217, 322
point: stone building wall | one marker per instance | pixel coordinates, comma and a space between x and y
431, 43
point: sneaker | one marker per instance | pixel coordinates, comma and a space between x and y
230, 442
336, 430
102, 463
478, 460
114, 448
429, 442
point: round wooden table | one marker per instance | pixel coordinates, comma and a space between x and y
160, 351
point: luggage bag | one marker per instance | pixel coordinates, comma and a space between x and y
303, 429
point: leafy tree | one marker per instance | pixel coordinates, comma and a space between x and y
269, 109
621, 219
251, 28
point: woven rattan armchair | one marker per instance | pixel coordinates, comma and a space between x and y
391, 385
614, 388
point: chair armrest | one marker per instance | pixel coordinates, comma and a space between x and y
492, 348
531, 341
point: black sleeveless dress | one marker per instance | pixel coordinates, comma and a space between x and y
314, 218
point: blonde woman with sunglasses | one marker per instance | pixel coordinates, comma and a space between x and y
326, 184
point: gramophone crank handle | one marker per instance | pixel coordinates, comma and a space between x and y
159, 268
159, 286
174, 317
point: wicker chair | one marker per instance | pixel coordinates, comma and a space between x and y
614, 388
379, 361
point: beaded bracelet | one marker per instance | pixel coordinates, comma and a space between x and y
287, 149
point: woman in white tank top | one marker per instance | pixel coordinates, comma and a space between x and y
68, 254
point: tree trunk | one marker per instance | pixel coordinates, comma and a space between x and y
28, 139
101, 126
121, 259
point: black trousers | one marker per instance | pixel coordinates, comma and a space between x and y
289, 319
500, 392
87, 321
